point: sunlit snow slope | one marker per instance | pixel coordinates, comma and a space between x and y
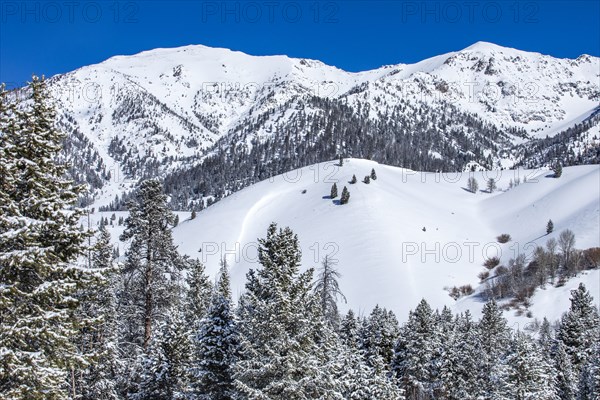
406, 235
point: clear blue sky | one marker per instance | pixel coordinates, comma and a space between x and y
50, 37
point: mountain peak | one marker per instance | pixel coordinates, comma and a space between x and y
486, 47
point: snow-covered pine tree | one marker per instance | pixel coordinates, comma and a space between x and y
198, 294
579, 328
494, 337
216, 346
166, 363
367, 179
40, 240
334, 192
415, 351
349, 329
523, 374
152, 263
472, 185
279, 342
549, 227
566, 380
353, 180
373, 174
491, 185
327, 291
97, 338
461, 361
345, 198
379, 337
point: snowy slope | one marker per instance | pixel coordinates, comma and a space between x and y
384, 255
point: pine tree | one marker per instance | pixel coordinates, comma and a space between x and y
199, 293
566, 380
494, 336
98, 326
461, 361
549, 227
334, 192
367, 179
557, 170
378, 338
40, 241
166, 363
341, 161
345, 198
353, 180
415, 352
217, 346
279, 332
523, 374
152, 262
176, 220
327, 290
193, 215
472, 185
373, 174
491, 185
579, 328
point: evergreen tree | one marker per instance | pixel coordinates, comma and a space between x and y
472, 185
327, 290
176, 220
217, 345
557, 170
152, 262
579, 328
549, 227
166, 363
461, 361
199, 293
494, 337
40, 240
415, 353
491, 185
341, 161
523, 374
566, 380
193, 215
334, 192
373, 174
353, 180
345, 198
97, 317
379, 337
367, 179
278, 324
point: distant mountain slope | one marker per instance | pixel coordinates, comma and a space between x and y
246, 117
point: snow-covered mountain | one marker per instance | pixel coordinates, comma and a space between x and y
406, 235
167, 109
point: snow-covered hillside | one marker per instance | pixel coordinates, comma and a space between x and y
406, 235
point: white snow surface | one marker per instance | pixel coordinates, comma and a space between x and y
384, 255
